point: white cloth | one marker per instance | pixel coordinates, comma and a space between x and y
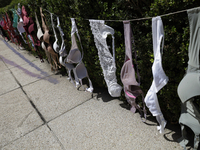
159, 77
107, 61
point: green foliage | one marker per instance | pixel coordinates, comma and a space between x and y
176, 29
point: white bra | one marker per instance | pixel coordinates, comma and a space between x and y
55, 44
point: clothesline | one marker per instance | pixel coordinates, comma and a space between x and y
138, 19
50, 12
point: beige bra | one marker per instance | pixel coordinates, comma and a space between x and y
45, 28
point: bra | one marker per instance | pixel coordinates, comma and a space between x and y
45, 28
55, 45
20, 25
76, 57
62, 51
107, 60
15, 18
9, 24
2, 23
131, 86
5, 24
28, 21
10, 27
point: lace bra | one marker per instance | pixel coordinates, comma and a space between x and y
107, 60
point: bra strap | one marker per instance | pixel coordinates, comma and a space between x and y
75, 30
138, 75
62, 48
113, 47
53, 26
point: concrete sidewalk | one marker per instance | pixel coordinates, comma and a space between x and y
43, 111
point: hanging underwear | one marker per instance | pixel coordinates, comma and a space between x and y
5, 27
3, 32
20, 27
63, 54
107, 61
189, 87
40, 37
63, 59
29, 28
159, 77
15, 18
46, 36
48, 44
13, 33
55, 44
39, 32
131, 86
28, 22
5, 23
2, 23
75, 57
62, 51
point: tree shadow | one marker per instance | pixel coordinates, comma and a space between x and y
42, 74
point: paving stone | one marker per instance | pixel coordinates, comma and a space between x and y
39, 139
13, 57
2, 65
98, 125
7, 82
17, 118
31, 72
55, 95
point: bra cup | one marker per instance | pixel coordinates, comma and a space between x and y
25, 20
15, 21
128, 74
133, 90
40, 34
31, 28
81, 71
46, 37
21, 20
20, 27
68, 65
49, 48
2, 23
56, 47
189, 86
61, 61
43, 46
74, 56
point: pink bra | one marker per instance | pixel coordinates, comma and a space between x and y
131, 86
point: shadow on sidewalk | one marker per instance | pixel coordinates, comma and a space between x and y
174, 130
39, 76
